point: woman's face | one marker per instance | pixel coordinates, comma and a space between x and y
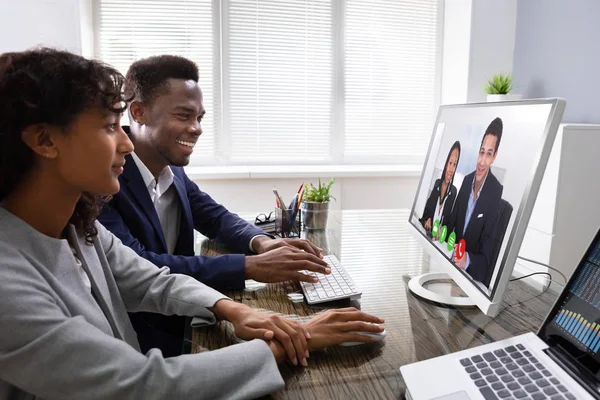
451, 166
91, 153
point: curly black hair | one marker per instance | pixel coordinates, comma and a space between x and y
495, 129
50, 86
147, 77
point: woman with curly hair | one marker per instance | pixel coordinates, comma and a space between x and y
67, 283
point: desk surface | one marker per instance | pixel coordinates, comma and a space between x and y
380, 254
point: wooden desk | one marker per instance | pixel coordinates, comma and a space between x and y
381, 255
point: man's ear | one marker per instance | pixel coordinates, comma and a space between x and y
39, 138
138, 112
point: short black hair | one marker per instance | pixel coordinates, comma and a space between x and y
146, 77
495, 129
48, 86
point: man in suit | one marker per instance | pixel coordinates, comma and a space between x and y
158, 207
475, 214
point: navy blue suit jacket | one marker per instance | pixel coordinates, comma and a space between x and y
480, 234
130, 215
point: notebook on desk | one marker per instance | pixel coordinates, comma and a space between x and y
561, 361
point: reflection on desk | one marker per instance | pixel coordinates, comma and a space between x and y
381, 255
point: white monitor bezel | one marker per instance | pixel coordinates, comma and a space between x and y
490, 305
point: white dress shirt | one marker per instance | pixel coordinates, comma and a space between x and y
164, 196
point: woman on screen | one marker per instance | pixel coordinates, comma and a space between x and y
440, 201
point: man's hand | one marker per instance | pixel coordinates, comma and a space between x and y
334, 326
262, 244
284, 264
462, 263
249, 324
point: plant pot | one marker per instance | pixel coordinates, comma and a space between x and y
314, 214
502, 97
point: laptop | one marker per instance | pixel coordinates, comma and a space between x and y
561, 361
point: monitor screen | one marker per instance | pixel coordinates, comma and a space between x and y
478, 169
574, 323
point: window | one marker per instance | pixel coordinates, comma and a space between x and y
294, 81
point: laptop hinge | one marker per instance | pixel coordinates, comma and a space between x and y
583, 377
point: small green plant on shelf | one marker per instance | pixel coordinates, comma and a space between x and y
320, 193
499, 84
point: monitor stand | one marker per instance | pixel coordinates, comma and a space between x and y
418, 284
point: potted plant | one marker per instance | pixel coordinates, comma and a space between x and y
499, 87
315, 205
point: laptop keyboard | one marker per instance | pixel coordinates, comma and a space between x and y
513, 373
335, 286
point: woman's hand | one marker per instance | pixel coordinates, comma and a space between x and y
334, 326
250, 324
427, 225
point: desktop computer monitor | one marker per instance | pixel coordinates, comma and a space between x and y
478, 186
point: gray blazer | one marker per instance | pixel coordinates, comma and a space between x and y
59, 341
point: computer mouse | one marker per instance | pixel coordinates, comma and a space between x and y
377, 335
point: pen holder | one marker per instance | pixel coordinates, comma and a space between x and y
287, 222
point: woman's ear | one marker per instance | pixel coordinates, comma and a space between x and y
38, 137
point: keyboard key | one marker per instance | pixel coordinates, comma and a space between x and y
480, 383
488, 394
492, 378
555, 381
546, 373
511, 367
476, 375
500, 353
570, 396
501, 371
524, 380
561, 388
550, 391
522, 361
503, 394
513, 386
481, 365
497, 386
533, 360
557, 397
471, 369
527, 354
539, 366
506, 360
528, 368
510, 349
519, 394
476, 359
518, 373
495, 364
538, 396
535, 375
486, 371
507, 378
542, 383
531, 388
520, 347
489, 356
516, 355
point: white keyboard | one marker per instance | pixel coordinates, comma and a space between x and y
335, 286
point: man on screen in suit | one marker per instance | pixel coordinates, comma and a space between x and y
158, 207
475, 214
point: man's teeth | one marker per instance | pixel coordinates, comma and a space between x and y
188, 144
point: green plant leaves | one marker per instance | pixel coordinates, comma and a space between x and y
499, 84
320, 193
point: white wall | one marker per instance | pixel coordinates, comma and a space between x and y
29, 23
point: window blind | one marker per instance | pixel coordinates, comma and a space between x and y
390, 79
278, 80
134, 29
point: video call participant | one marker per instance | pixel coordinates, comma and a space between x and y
475, 214
441, 200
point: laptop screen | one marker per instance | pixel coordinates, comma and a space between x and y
573, 325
